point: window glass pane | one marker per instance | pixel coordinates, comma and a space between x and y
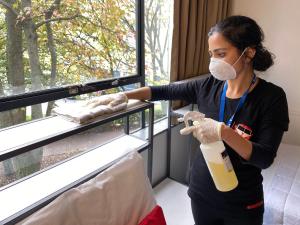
158, 38
135, 122
28, 163
44, 45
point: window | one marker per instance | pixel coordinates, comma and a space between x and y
158, 38
158, 27
47, 48
47, 44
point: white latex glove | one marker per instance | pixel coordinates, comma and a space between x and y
190, 116
110, 99
207, 130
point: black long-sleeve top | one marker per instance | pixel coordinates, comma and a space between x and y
262, 120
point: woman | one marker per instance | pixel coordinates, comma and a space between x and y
248, 113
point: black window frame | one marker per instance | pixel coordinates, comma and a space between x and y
37, 97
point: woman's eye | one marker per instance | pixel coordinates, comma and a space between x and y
221, 55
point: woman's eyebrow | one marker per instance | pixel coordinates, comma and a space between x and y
217, 49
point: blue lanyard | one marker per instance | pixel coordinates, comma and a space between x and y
239, 106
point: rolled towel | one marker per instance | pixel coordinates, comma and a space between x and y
88, 111
110, 99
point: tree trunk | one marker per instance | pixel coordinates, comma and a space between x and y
15, 68
153, 24
151, 17
15, 76
53, 55
32, 46
34, 61
29, 162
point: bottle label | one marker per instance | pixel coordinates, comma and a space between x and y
227, 162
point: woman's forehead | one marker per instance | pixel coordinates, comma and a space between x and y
217, 42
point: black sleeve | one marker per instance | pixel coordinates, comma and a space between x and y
271, 127
188, 91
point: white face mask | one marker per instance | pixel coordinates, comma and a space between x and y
222, 70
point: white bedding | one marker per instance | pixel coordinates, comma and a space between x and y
282, 188
121, 195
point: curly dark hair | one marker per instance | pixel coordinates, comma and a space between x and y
242, 32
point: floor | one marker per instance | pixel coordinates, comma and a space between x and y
172, 197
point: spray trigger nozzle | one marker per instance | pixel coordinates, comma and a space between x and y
196, 117
180, 119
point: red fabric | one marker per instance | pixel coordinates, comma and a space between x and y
155, 217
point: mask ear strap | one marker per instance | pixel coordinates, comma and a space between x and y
240, 56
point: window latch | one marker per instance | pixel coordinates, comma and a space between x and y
115, 82
73, 90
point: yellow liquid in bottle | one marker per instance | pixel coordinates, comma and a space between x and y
223, 179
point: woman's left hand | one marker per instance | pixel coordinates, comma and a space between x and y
207, 130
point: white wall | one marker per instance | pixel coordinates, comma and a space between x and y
279, 20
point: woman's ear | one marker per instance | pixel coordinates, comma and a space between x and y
250, 53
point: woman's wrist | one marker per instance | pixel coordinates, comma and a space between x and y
143, 93
224, 131
242, 146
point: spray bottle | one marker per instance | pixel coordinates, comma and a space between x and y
215, 155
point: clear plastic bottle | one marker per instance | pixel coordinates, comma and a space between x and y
215, 155
219, 165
